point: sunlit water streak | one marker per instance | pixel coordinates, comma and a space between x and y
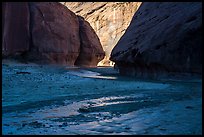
90, 74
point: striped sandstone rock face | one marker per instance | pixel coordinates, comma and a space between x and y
109, 20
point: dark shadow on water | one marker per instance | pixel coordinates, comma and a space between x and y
109, 73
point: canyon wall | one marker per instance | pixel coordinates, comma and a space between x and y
15, 28
48, 32
90, 54
108, 19
162, 37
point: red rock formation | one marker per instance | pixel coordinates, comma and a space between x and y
48, 32
91, 51
55, 32
15, 28
161, 37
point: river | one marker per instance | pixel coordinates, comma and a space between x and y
47, 100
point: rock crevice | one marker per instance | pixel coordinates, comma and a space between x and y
108, 19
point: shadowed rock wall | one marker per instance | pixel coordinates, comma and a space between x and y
162, 37
15, 28
89, 53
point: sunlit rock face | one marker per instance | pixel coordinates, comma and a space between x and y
48, 32
15, 28
162, 37
108, 19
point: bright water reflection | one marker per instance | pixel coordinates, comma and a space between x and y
89, 74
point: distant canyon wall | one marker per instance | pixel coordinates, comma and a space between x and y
109, 20
48, 32
162, 37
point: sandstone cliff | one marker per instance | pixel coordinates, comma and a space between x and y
55, 33
108, 19
48, 32
90, 54
162, 37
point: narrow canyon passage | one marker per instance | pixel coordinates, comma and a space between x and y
109, 20
102, 68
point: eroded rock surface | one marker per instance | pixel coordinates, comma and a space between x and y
91, 51
55, 32
162, 37
48, 32
108, 19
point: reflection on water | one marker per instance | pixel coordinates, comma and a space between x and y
89, 74
72, 108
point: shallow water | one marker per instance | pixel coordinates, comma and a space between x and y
55, 100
